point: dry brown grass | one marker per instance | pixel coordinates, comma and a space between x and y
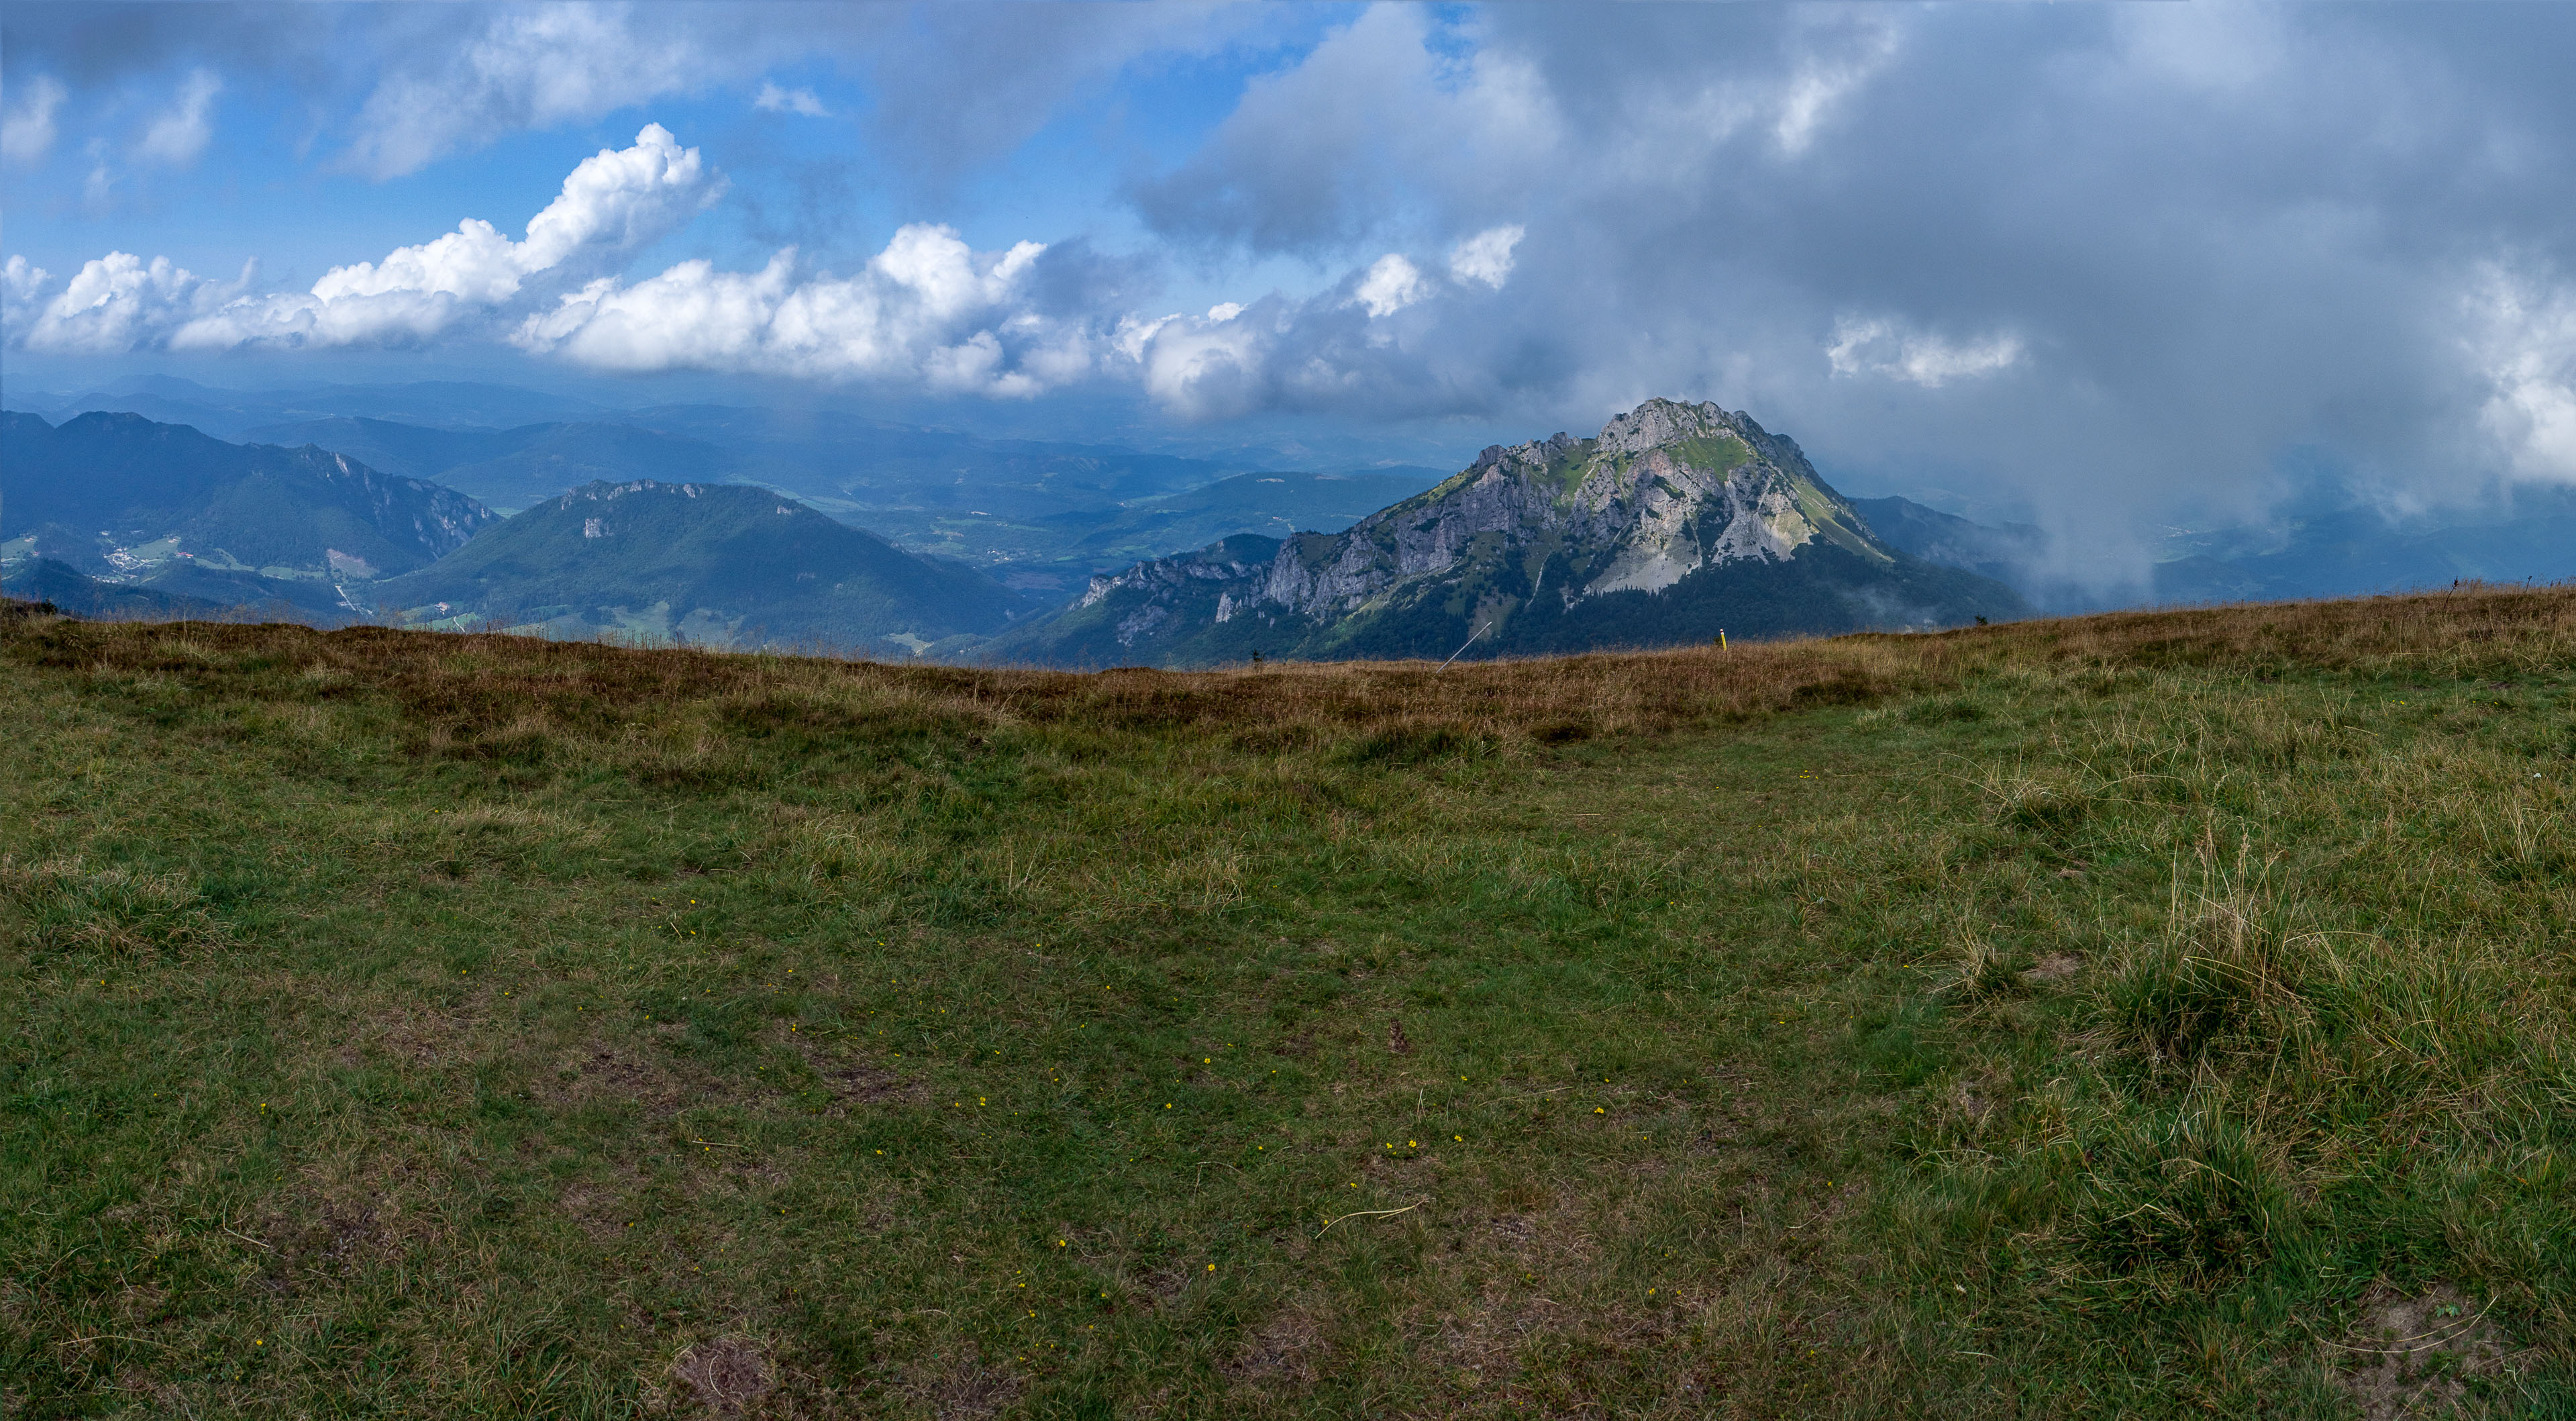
1822, 1064
486, 692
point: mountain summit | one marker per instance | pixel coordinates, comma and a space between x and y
1675, 522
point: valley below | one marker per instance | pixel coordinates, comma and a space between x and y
330, 506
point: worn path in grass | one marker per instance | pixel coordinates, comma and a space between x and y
2106, 1017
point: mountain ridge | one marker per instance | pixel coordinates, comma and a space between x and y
517, 467
712, 563
141, 503
1524, 549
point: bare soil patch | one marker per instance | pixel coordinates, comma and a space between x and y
2055, 967
598, 1072
723, 1375
2416, 1356
1280, 1353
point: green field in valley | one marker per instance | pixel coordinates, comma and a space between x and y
2144, 1015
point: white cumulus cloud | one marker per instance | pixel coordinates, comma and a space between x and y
113, 303
1486, 258
1874, 346
1206, 369
1334, 351
773, 99
183, 130
928, 307
21, 283
1392, 284
613, 203
2525, 343
536, 66
927, 310
27, 126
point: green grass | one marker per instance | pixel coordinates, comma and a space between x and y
2073, 1019
1722, 454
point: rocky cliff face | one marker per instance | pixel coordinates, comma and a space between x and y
1674, 516
413, 513
1666, 489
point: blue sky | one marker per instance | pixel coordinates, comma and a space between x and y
288, 174
2118, 267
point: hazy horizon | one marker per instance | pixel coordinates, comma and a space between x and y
2113, 269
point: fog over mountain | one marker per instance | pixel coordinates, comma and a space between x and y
2125, 274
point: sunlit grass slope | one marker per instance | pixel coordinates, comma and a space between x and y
2141, 1015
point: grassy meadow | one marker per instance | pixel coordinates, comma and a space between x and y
2141, 1015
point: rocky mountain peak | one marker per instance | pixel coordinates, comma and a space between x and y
1656, 424
1538, 453
1659, 423
1702, 514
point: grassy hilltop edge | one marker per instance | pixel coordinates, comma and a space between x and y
2141, 1014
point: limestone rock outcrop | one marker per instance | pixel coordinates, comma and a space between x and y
1674, 522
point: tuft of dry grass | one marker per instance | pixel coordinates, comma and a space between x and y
68, 904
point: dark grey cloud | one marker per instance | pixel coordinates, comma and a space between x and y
1074, 280
106, 43
395, 86
2118, 262
960, 85
1384, 126
953, 85
820, 206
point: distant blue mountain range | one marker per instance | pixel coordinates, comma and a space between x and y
300, 500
